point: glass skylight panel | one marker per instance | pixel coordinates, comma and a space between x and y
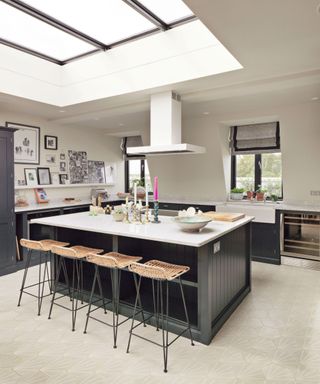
107, 21
168, 10
29, 32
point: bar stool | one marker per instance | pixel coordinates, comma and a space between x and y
77, 254
44, 247
115, 262
160, 272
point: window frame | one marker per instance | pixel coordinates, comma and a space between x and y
127, 172
257, 173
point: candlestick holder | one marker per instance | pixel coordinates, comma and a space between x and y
156, 212
146, 215
126, 215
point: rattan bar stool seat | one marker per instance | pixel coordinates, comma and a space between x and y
113, 260
159, 270
75, 252
42, 245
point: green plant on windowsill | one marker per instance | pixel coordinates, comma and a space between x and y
260, 193
236, 193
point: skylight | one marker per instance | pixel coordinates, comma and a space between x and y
60, 30
29, 32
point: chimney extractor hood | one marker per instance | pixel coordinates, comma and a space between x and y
165, 131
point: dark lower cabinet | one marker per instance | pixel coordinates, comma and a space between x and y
264, 243
7, 215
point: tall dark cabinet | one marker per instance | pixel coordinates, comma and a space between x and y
7, 215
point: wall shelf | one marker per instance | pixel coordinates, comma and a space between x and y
18, 187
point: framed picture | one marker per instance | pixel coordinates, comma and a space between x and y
51, 142
55, 178
50, 159
41, 195
64, 179
62, 156
31, 176
63, 166
26, 143
44, 176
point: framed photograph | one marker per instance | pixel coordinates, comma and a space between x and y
26, 143
63, 166
51, 142
51, 159
55, 178
41, 195
62, 156
31, 176
64, 179
44, 176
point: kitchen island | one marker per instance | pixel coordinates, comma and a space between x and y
219, 259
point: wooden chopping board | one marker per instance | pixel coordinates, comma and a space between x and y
224, 216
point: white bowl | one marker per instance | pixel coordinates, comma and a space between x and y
192, 224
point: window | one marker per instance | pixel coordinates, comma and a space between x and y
251, 171
137, 169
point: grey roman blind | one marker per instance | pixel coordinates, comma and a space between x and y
255, 138
131, 141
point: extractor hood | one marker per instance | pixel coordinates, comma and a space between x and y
165, 131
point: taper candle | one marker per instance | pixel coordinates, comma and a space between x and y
155, 189
135, 193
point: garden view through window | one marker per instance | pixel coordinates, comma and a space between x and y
259, 171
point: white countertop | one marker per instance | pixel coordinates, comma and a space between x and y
59, 204
167, 231
301, 207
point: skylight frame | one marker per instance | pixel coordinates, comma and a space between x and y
160, 25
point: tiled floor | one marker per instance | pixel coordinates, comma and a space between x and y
273, 337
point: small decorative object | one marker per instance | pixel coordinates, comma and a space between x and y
146, 215
26, 143
44, 177
21, 200
236, 193
192, 223
21, 182
140, 190
31, 176
62, 156
41, 195
117, 213
51, 142
63, 166
51, 159
108, 210
63, 178
260, 194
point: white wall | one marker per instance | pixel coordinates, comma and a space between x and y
96, 144
208, 176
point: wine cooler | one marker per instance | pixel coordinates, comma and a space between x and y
300, 236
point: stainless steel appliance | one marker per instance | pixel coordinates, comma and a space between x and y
300, 235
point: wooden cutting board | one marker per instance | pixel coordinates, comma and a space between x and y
224, 216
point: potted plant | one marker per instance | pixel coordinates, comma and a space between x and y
117, 213
260, 194
236, 193
250, 195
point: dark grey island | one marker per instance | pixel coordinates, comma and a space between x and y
219, 260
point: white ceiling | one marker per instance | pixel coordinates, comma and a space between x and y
277, 42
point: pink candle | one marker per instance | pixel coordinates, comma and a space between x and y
155, 189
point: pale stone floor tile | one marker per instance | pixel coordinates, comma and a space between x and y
272, 338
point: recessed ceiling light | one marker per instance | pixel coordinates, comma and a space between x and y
121, 124
96, 118
315, 98
206, 113
62, 111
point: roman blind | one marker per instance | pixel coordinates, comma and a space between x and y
131, 141
255, 138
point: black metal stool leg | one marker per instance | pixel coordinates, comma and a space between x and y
39, 280
185, 310
134, 313
115, 287
164, 346
76, 296
55, 286
66, 277
100, 290
139, 300
91, 296
81, 280
45, 274
28, 261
